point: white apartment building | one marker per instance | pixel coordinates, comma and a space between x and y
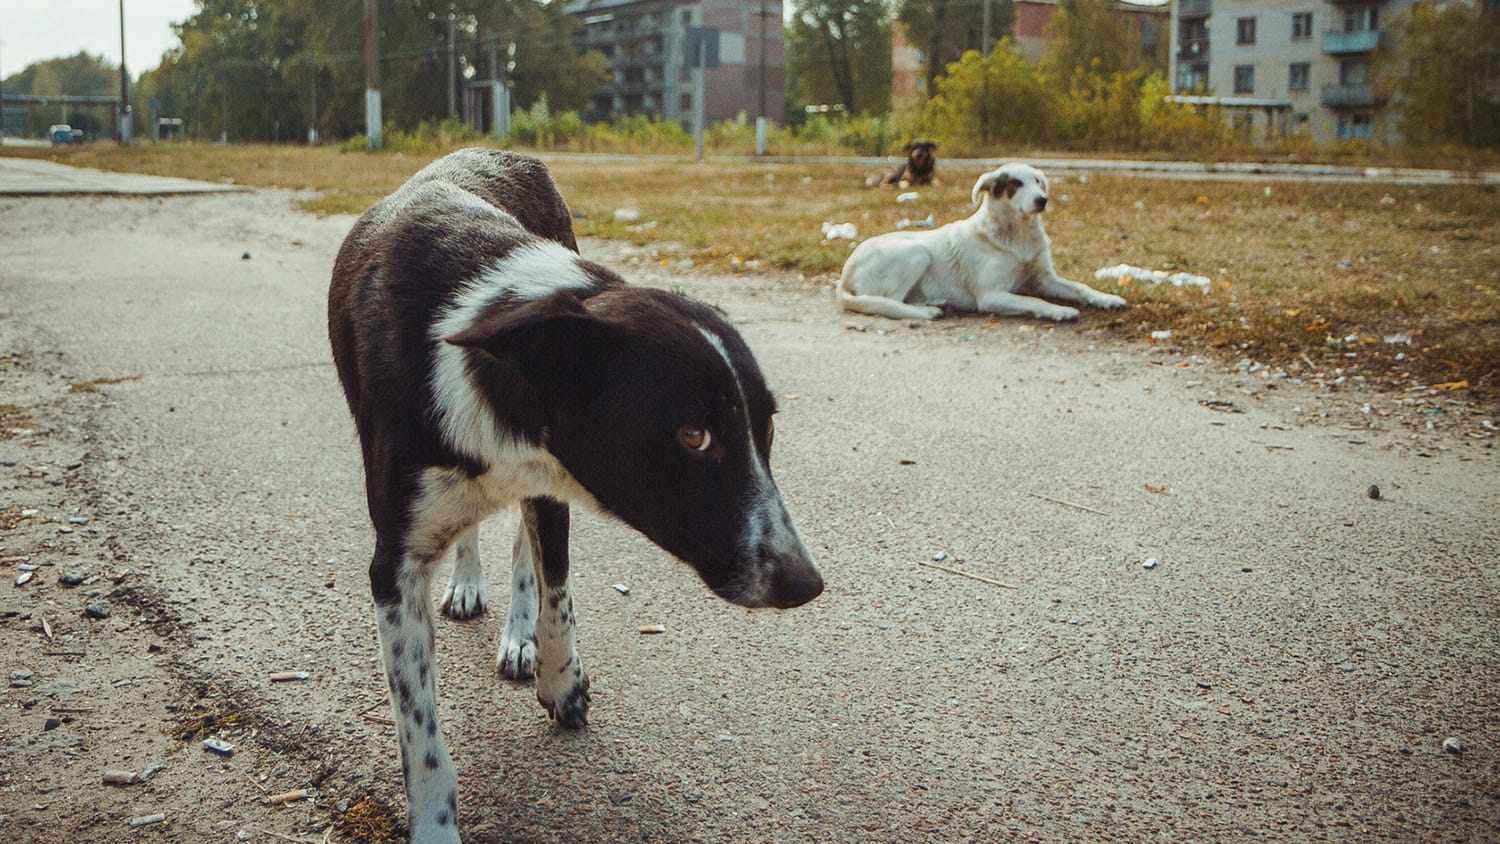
1286, 66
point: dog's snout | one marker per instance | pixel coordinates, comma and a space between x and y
796, 586
1041, 203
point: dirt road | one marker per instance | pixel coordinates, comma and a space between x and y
174, 442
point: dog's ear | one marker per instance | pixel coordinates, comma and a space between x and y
994, 183
554, 337
910, 145
998, 183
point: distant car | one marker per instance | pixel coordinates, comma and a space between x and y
62, 133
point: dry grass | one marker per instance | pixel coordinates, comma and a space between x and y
1305, 274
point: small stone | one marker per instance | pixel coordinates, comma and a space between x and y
1374, 492
71, 578
1150, 563
245, 257
621, 588
54, 723
1453, 744
23, 578
78, 520
940, 556
147, 820
96, 609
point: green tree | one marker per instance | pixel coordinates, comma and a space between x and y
82, 74
1443, 70
839, 51
983, 101
1095, 36
946, 29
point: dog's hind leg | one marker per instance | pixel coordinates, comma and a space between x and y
404, 619
517, 659
464, 595
562, 686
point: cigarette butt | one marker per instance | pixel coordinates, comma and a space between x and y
119, 777
648, 629
147, 820
289, 676
288, 797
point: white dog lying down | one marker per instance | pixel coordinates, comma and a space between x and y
975, 264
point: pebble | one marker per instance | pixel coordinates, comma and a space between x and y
147, 820
78, 520
97, 609
51, 724
1374, 492
71, 578
1453, 744
1150, 563
23, 577
622, 588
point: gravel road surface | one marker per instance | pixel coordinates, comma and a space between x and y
173, 443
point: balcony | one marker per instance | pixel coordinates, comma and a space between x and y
1350, 96
1194, 8
1193, 50
1359, 41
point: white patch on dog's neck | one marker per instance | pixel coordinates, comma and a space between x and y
468, 425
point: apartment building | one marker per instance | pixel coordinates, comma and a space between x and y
1286, 66
646, 41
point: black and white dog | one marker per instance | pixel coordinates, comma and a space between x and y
487, 365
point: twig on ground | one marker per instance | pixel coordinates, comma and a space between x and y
1068, 503
960, 572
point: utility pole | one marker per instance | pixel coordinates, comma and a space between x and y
984, 50
452, 67
2, 104
760, 120
372, 75
124, 127
312, 120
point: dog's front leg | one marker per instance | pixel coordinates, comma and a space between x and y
404, 619
562, 686
1013, 304
1054, 286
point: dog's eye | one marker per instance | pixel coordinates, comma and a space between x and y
695, 438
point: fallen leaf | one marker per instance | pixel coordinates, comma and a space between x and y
1157, 490
1452, 385
1318, 325
1291, 312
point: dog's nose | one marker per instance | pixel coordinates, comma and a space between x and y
796, 587
1041, 203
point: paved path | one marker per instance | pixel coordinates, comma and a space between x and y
30, 177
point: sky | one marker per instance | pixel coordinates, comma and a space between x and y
34, 30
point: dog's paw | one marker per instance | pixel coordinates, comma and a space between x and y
1061, 313
463, 599
1107, 300
517, 660
931, 311
569, 704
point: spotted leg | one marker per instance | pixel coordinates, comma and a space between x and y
562, 686
404, 619
464, 595
517, 659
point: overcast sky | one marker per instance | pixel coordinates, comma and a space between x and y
33, 30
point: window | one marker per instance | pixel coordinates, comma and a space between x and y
1354, 72
1299, 77
1244, 79
1301, 26
1356, 125
1244, 31
1192, 77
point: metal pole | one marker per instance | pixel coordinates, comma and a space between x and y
762, 112
988, 6
698, 99
372, 75
124, 127
2, 104
452, 68
312, 120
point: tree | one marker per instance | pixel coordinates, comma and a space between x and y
945, 29
1443, 68
982, 101
82, 74
839, 51
1092, 35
